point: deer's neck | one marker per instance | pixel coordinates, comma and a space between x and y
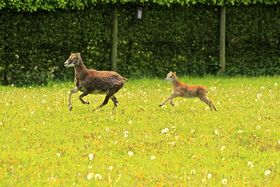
81, 71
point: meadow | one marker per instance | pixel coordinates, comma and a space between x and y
142, 144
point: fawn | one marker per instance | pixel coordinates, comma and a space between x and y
181, 89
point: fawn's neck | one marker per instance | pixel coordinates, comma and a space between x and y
176, 83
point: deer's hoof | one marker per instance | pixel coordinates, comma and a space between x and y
160, 105
70, 108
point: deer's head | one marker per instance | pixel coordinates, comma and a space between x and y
171, 76
74, 59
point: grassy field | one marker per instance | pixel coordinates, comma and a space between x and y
42, 143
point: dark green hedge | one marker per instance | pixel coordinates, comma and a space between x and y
253, 40
52, 5
34, 46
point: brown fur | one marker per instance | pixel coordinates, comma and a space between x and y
181, 89
90, 81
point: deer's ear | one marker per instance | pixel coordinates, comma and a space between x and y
174, 72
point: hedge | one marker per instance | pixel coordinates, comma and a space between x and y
185, 39
52, 5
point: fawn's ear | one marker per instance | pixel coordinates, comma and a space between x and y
174, 72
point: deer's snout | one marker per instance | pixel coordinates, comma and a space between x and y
68, 64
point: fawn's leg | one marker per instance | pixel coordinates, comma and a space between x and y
169, 98
208, 102
74, 90
83, 95
171, 102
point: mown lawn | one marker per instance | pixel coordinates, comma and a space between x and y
42, 143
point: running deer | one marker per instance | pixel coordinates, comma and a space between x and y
90, 81
181, 89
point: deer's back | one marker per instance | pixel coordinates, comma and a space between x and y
101, 81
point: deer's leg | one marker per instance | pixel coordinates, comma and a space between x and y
169, 98
115, 101
105, 101
74, 90
83, 95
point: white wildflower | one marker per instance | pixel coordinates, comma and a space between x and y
193, 172
153, 157
130, 122
91, 156
267, 172
110, 168
58, 154
192, 131
250, 164
278, 142
216, 131
259, 95
276, 84
224, 181
97, 176
164, 131
223, 148
130, 153
125, 134
240, 131
89, 176
209, 176
258, 127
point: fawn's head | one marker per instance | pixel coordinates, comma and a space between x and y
75, 59
171, 76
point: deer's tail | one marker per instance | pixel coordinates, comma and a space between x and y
125, 79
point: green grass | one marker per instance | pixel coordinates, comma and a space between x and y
42, 143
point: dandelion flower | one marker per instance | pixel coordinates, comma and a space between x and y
240, 131
129, 122
278, 142
258, 127
259, 95
224, 181
209, 176
153, 157
89, 176
58, 154
91, 156
276, 84
223, 148
193, 172
97, 176
250, 164
164, 131
192, 131
267, 172
216, 131
130, 153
